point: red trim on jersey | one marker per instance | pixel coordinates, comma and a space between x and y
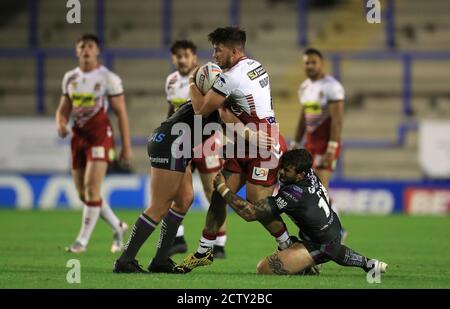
173, 80
246, 118
251, 103
99, 120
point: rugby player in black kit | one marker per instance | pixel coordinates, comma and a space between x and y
170, 150
305, 200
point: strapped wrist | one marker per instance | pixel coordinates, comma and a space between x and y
222, 189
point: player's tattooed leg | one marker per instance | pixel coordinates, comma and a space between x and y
276, 265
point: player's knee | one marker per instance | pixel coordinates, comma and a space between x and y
82, 196
155, 214
188, 200
91, 193
183, 203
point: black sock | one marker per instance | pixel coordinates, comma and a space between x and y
142, 229
345, 256
169, 229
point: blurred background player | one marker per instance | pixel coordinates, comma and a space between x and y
87, 90
321, 99
242, 94
305, 200
184, 58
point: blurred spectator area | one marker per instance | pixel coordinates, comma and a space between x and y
375, 104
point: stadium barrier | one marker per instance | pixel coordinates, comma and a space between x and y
56, 191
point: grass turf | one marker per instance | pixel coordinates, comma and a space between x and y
32, 254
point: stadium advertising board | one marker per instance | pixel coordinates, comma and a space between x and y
30, 144
427, 200
49, 191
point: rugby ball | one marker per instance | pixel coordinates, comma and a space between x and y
206, 75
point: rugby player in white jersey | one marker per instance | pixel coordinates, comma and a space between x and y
242, 91
86, 92
320, 122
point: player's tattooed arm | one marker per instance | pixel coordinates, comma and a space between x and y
276, 265
260, 211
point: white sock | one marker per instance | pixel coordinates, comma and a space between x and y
221, 240
205, 245
110, 217
89, 220
180, 231
283, 241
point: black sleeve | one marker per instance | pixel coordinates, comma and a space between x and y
280, 202
286, 200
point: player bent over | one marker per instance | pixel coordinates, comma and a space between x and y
87, 90
305, 200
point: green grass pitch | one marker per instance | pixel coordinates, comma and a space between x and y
32, 255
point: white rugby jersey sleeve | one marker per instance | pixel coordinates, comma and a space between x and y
225, 85
64, 85
113, 84
335, 91
167, 88
300, 91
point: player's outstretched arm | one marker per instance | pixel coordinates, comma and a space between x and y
260, 211
337, 116
119, 107
62, 115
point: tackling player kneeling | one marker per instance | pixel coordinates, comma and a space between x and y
305, 200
